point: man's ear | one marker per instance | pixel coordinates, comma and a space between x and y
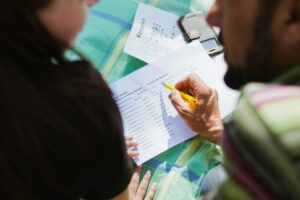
291, 23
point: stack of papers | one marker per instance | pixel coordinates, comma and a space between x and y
146, 110
154, 34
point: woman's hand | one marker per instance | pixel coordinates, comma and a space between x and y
131, 145
137, 191
204, 119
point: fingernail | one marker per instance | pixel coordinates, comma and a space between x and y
130, 149
172, 94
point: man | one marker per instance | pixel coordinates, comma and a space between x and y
261, 139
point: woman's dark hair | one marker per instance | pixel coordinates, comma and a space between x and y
54, 113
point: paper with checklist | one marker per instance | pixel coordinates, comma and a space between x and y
154, 34
146, 110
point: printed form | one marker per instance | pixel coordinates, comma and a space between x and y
154, 34
147, 113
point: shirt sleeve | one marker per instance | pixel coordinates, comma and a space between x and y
255, 139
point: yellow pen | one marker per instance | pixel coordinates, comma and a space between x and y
188, 98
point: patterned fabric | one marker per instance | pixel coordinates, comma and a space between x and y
108, 27
262, 141
179, 171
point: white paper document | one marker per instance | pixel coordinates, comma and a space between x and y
154, 34
146, 110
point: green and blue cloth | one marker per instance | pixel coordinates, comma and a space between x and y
180, 170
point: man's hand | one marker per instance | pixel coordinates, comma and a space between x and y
137, 191
204, 119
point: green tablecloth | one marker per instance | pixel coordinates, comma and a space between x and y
180, 170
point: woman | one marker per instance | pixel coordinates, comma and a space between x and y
61, 132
